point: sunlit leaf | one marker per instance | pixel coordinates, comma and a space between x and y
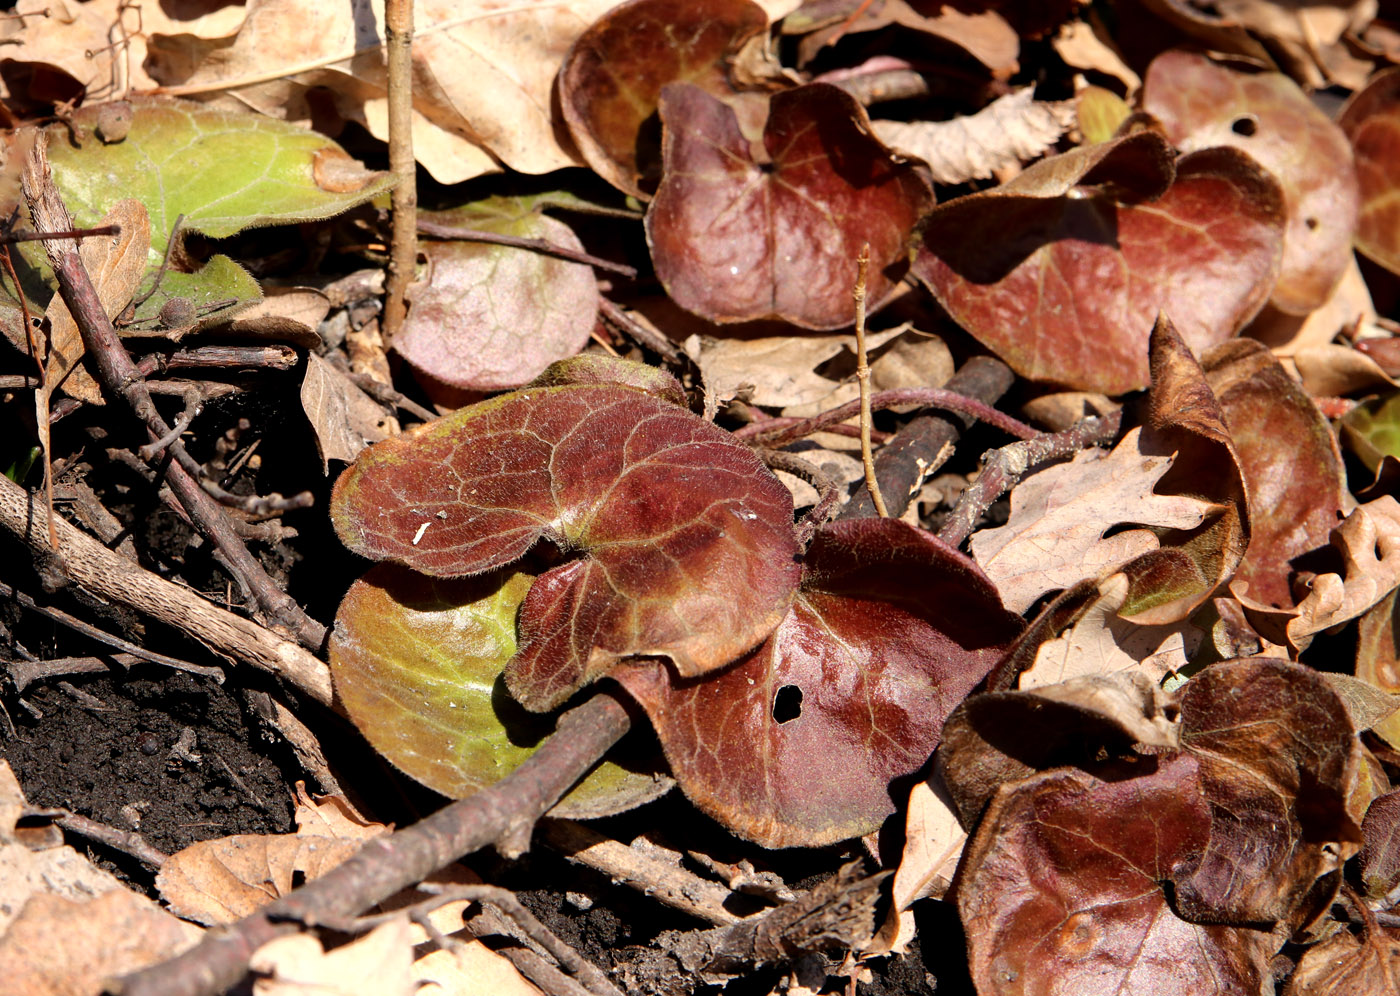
685, 540
771, 228
417, 664
1371, 119
797, 743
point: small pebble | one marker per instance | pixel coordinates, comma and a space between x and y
149, 744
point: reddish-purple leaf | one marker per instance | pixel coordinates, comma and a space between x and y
745, 229
796, 744
1061, 890
1380, 851
1065, 287
491, 317
611, 79
1371, 119
686, 539
1292, 468
1202, 104
1278, 754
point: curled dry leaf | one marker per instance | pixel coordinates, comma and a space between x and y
745, 229
1369, 543
1345, 963
796, 744
1008, 131
378, 964
611, 80
983, 34
344, 418
417, 662
672, 518
1371, 120
1292, 468
492, 317
1202, 104
1064, 282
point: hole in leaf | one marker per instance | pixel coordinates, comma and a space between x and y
1312, 224
298, 878
1245, 124
787, 704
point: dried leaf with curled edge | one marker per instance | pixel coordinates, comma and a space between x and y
1345, 964
611, 80
746, 229
797, 743
1292, 468
1008, 131
490, 317
1055, 535
1279, 814
685, 539
1064, 282
1202, 104
416, 662
1062, 890
1371, 120
1369, 543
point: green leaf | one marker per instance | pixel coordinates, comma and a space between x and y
417, 662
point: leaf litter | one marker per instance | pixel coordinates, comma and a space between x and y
1139, 736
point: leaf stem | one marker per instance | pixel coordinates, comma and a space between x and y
863, 379
403, 202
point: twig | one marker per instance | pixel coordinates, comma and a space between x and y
670, 884
828, 492
115, 642
303, 742
43, 395
194, 404
119, 375
520, 242
127, 841
641, 333
502, 814
92, 566
9, 238
1003, 469
924, 444
760, 433
25, 673
403, 201
839, 429
863, 379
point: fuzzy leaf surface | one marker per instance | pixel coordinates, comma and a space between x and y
1203, 104
686, 538
1371, 119
771, 228
796, 744
1065, 284
416, 661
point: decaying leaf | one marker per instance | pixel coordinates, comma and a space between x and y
417, 662
1008, 131
891, 629
1063, 281
344, 418
1345, 963
743, 229
1202, 104
378, 964
673, 519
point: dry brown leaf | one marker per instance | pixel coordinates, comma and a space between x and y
115, 263
1288, 335
1101, 643
774, 372
913, 359
1007, 132
220, 881
1080, 45
933, 846
1369, 541
66, 947
344, 418
1334, 370
333, 816
1055, 535
378, 964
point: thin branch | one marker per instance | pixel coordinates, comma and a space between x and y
119, 375
503, 814
863, 380
641, 333
115, 642
828, 492
9, 238
87, 563
403, 201
519, 242
1003, 469
126, 841
760, 433
926, 442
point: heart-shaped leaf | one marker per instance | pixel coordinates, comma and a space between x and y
490, 317
797, 743
1371, 119
745, 229
417, 663
1062, 890
611, 80
1202, 104
1065, 286
687, 545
